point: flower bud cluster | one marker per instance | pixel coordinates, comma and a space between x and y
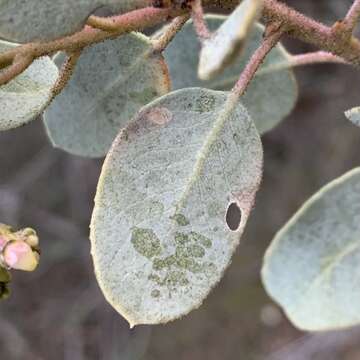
19, 250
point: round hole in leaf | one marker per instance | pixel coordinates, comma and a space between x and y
233, 216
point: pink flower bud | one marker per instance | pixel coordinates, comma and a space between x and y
19, 255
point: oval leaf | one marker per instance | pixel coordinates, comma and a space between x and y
111, 82
312, 266
35, 20
226, 43
26, 96
271, 95
354, 115
160, 240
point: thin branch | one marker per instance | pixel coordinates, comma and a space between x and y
169, 33
312, 32
103, 23
315, 57
20, 64
271, 38
197, 14
66, 72
131, 21
352, 17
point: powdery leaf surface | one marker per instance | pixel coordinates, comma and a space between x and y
111, 82
271, 95
35, 20
354, 115
227, 42
159, 236
26, 96
312, 266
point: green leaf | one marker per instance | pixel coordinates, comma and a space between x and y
26, 96
159, 232
312, 266
354, 115
271, 95
226, 43
35, 20
111, 82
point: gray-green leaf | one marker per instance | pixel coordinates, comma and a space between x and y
271, 95
159, 235
26, 96
35, 20
312, 266
111, 82
226, 43
354, 115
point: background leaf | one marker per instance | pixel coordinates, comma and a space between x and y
271, 95
159, 233
228, 40
354, 115
26, 96
312, 266
25, 21
111, 82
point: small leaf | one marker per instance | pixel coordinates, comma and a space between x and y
312, 266
35, 20
354, 115
271, 95
111, 82
159, 232
226, 43
26, 96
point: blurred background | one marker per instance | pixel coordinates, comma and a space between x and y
58, 312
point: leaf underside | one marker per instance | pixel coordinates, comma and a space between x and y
312, 266
222, 48
108, 87
35, 20
159, 237
271, 95
26, 96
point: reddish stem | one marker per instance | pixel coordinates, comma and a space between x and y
270, 40
197, 14
352, 17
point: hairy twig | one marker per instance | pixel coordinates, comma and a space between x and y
272, 36
315, 57
200, 25
66, 72
312, 32
134, 20
352, 17
169, 33
20, 64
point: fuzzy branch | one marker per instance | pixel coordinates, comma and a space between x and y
316, 57
352, 17
197, 14
169, 33
272, 36
66, 72
134, 20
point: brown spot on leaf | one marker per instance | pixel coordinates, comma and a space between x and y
159, 116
